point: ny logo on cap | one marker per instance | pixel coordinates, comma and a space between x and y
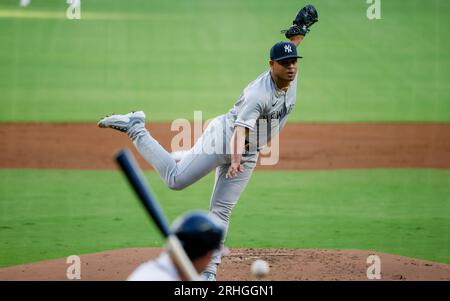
287, 48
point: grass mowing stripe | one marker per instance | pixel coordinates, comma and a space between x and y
116, 59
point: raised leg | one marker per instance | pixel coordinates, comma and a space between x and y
176, 175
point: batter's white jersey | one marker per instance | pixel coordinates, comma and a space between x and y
160, 269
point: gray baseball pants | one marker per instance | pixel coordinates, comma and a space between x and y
195, 165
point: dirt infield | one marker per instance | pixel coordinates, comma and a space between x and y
285, 264
302, 146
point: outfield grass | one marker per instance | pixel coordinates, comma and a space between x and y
51, 214
200, 54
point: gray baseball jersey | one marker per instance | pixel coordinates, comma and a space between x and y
261, 107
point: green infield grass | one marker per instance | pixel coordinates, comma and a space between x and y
54, 213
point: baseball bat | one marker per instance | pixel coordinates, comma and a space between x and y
137, 180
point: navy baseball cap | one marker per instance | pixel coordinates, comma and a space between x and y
199, 232
283, 50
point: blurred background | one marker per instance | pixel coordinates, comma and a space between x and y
198, 55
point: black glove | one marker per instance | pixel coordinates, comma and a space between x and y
304, 19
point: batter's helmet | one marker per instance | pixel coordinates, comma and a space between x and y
199, 233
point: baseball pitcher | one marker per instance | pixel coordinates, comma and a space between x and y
259, 114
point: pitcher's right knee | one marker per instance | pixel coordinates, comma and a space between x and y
176, 185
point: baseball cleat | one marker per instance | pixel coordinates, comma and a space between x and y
207, 276
122, 122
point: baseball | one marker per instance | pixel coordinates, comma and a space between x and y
260, 268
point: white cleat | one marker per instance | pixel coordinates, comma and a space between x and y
207, 276
122, 122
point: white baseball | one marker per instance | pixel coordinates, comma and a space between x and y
260, 268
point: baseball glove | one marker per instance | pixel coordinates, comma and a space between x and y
304, 19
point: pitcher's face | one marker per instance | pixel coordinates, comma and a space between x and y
284, 69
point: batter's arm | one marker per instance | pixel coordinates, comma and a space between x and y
237, 148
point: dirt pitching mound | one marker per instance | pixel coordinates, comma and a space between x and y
285, 264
